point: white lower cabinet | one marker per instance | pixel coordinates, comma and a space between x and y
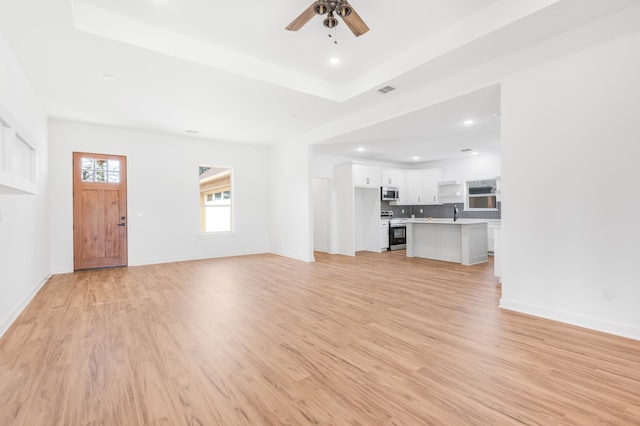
384, 235
491, 227
497, 255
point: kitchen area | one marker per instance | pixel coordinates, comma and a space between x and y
449, 210
428, 183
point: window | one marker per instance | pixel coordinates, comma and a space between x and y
216, 207
100, 170
481, 195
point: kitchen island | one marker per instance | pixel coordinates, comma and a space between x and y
463, 241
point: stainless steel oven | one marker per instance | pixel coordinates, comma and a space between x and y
397, 236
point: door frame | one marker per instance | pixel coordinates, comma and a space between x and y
122, 215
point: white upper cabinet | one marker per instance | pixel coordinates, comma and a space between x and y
430, 179
414, 185
422, 186
366, 176
398, 179
393, 177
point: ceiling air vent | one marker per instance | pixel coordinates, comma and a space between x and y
466, 150
386, 89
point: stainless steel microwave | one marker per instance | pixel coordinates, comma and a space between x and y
390, 193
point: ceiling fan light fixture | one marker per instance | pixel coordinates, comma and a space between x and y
320, 8
343, 10
330, 21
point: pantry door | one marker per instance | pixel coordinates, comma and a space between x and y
99, 211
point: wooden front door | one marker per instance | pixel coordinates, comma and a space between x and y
99, 211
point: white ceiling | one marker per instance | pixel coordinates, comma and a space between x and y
430, 134
230, 70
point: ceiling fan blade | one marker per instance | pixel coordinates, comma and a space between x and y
304, 17
355, 23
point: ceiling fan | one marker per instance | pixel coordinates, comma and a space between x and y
342, 8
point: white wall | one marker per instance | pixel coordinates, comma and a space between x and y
24, 226
571, 148
322, 208
321, 165
163, 187
291, 222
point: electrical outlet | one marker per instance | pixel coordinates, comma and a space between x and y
607, 293
403, 211
421, 210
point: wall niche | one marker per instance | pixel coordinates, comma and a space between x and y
18, 158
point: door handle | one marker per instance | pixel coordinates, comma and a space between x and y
122, 224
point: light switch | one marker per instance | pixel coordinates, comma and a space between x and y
140, 213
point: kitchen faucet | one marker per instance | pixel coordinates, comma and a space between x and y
455, 213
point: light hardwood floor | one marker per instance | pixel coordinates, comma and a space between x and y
378, 339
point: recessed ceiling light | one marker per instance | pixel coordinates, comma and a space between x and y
107, 76
334, 61
192, 132
469, 122
474, 153
415, 158
361, 149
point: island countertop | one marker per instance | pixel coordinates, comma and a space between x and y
463, 241
439, 221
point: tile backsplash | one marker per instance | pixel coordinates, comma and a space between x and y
441, 211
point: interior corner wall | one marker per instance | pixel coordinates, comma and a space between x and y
570, 153
162, 193
291, 226
24, 224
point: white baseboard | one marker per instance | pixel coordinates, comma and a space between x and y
293, 256
157, 261
591, 323
13, 315
59, 271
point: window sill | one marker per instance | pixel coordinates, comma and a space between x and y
210, 235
